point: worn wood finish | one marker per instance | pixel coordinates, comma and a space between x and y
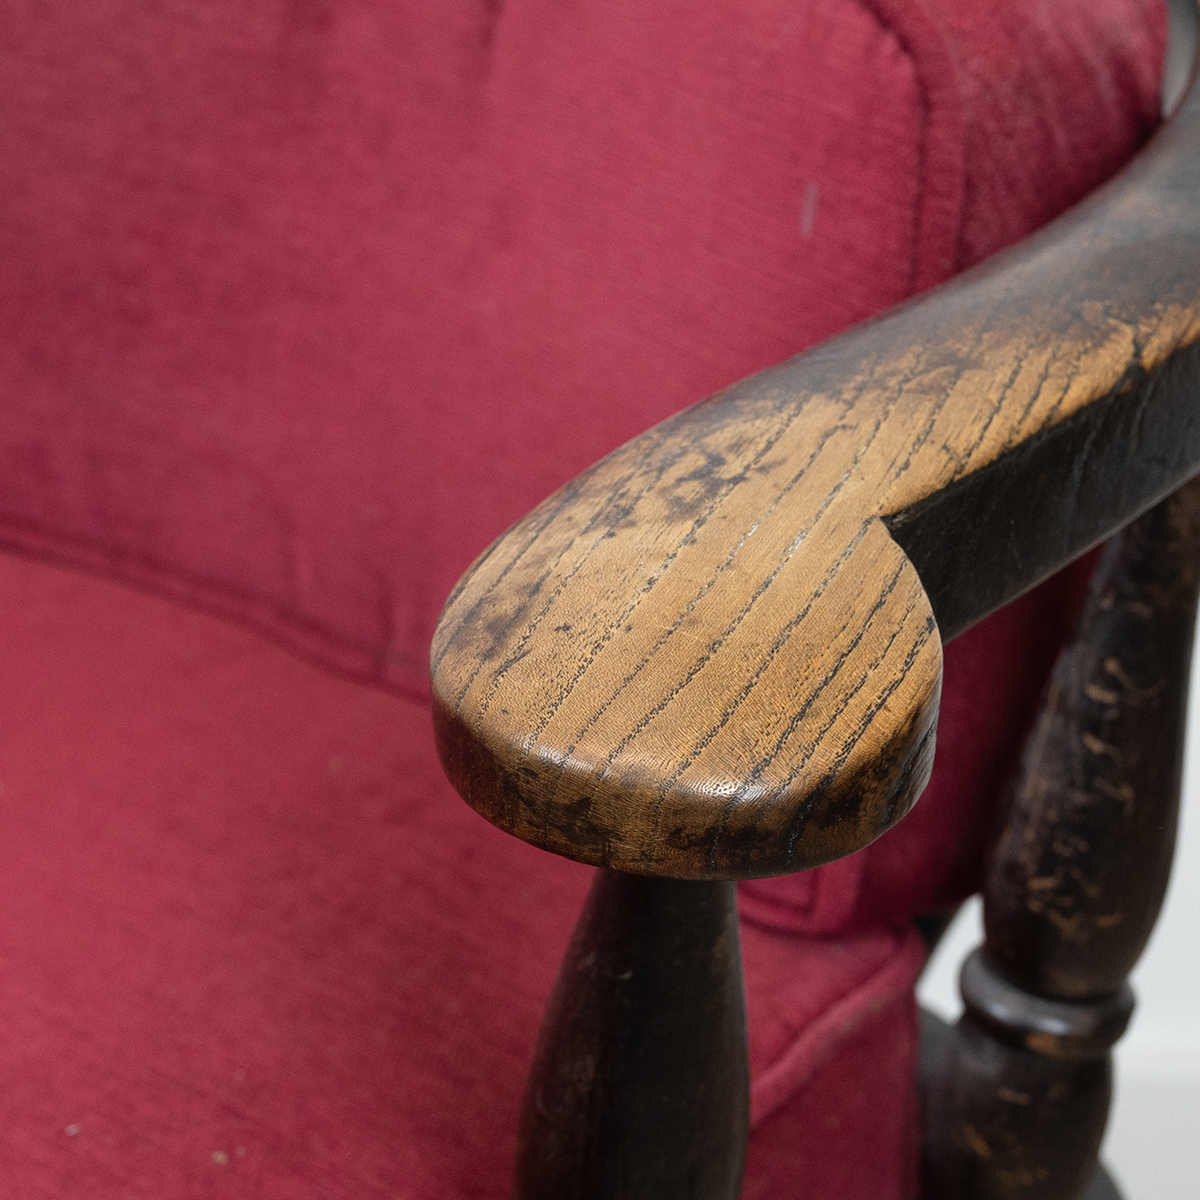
717, 653
639, 1088
1018, 1102
1005, 1122
1077, 881
934, 1032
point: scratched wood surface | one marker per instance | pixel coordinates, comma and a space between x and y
1018, 1093
717, 653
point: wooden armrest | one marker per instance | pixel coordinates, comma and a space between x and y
717, 653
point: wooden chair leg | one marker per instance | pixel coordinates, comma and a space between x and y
933, 1033
1018, 1099
639, 1087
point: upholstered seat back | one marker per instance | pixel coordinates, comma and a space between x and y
305, 301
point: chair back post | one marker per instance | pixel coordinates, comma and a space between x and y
639, 1087
1018, 1100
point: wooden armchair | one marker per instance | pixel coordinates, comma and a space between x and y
303, 303
716, 655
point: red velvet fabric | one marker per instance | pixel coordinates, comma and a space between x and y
303, 301
306, 300
251, 944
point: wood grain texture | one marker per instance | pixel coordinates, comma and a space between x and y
717, 653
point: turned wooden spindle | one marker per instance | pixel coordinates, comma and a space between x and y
717, 653
1019, 1097
639, 1087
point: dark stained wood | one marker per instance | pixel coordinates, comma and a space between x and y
1077, 881
1017, 1102
639, 1088
1084, 1027
934, 1032
1002, 1122
717, 654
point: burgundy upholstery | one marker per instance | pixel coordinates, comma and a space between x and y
302, 303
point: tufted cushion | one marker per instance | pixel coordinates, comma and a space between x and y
303, 302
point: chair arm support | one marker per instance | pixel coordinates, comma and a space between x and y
717, 653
